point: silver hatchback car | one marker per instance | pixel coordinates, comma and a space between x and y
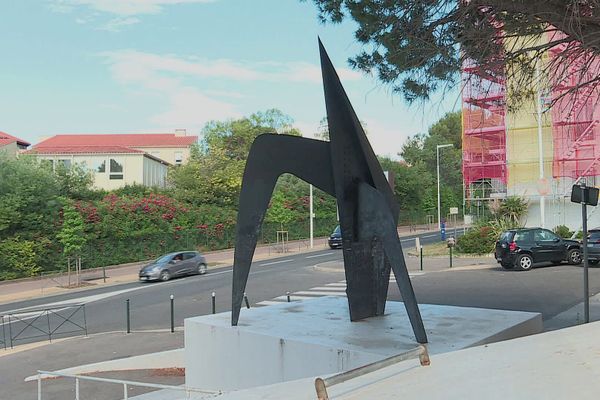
174, 264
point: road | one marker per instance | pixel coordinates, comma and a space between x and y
149, 302
548, 290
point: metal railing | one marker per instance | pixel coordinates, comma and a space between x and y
188, 391
321, 384
48, 323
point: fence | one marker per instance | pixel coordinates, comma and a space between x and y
47, 322
187, 391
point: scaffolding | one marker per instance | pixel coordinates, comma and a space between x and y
576, 117
484, 137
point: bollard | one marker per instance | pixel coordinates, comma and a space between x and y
288, 296
172, 314
104, 274
246, 300
214, 303
127, 314
421, 257
450, 256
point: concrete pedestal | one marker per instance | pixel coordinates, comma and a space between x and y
315, 337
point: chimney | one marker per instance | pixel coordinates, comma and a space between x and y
180, 132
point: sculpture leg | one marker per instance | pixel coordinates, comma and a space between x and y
375, 212
271, 156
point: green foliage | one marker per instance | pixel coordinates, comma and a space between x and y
72, 233
75, 181
18, 258
513, 208
279, 210
416, 177
39, 228
506, 214
478, 240
214, 172
418, 47
563, 231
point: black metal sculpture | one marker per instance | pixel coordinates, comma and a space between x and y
346, 168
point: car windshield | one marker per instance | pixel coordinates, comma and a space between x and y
164, 259
336, 231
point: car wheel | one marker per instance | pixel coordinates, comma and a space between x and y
593, 262
202, 269
165, 276
507, 265
524, 262
574, 256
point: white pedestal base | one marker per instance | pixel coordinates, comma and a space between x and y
315, 337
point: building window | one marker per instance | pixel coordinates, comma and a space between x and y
100, 166
178, 157
64, 163
116, 169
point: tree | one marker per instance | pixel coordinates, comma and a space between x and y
416, 177
418, 47
214, 173
28, 198
75, 181
72, 237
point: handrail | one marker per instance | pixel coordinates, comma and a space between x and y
321, 384
123, 382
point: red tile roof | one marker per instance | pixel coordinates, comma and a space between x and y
91, 150
127, 140
84, 150
5, 139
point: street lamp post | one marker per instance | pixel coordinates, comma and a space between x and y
439, 146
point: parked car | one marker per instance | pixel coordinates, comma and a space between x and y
593, 246
335, 239
174, 264
522, 248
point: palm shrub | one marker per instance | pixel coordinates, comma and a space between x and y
507, 214
563, 231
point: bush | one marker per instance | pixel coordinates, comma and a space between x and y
17, 259
563, 231
479, 240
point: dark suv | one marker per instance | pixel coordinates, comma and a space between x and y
593, 246
521, 248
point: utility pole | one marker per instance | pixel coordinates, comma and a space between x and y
311, 215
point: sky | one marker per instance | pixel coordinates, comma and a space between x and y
127, 66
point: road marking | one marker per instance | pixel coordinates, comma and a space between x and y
293, 297
332, 288
275, 262
336, 284
320, 255
269, 303
317, 293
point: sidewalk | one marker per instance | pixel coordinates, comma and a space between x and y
25, 289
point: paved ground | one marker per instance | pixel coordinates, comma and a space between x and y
15, 366
554, 291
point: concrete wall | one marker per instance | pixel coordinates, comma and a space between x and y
560, 212
168, 154
10, 149
155, 173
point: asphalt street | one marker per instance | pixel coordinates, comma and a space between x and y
545, 289
150, 305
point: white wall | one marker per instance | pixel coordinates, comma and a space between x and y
155, 173
560, 212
